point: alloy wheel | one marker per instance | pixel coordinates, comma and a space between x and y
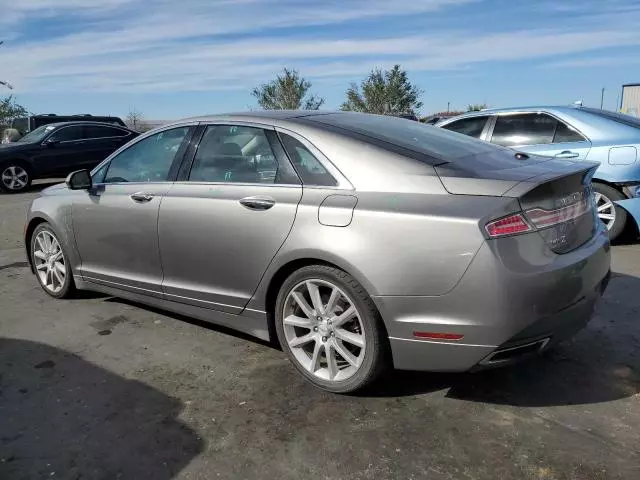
14, 177
49, 261
606, 210
323, 329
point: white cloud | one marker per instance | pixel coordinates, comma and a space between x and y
235, 44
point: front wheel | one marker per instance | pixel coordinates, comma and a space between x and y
14, 177
330, 329
613, 216
51, 263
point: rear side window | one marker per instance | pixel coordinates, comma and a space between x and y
566, 134
98, 131
471, 127
524, 129
306, 164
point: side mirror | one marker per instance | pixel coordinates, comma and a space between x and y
79, 180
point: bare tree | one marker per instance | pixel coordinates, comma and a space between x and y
135, 120
2, 82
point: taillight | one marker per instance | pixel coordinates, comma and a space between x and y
547, 218
510, 225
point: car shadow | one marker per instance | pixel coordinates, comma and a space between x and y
194, 321
602, 363
63, 417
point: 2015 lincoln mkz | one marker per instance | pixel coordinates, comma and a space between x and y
356, 241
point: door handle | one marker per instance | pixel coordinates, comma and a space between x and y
567, 154
257, 203
142, 197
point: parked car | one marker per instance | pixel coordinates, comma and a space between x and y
369, 242
578, 133
27, 124
55, 150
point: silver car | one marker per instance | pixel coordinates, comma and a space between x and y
358, 242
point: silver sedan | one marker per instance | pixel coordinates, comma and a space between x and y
358, 242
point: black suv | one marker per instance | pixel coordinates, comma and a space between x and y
58, 149
25, 125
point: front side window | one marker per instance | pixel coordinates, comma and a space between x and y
148, 160
306, 164
37, 135
524, 129
68, 134
471, 127
234, 154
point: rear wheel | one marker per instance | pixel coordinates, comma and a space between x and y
14, 177
613, 216
330, 329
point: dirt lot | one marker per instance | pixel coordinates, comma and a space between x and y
98, 388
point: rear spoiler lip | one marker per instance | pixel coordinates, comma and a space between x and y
525, 186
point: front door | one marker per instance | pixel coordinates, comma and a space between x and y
221, 227
116, 223
60, 151
540, 134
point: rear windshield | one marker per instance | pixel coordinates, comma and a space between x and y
425, 139
615, 116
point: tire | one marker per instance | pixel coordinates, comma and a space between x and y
606, 195
357, 366
50, 267
15, 176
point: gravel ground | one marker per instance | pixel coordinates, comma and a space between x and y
98, 388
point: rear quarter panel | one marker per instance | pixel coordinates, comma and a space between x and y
396, 243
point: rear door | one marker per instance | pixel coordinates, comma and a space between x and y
100, 142
541, 134
220, 227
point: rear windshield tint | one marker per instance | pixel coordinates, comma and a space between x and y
615, 116
425, 139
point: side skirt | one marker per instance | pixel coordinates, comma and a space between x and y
252, 323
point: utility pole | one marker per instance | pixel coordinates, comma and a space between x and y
602, 98
448, 103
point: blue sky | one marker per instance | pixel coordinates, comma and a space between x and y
171, 59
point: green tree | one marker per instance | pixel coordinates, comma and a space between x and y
476, 108
386, 92
288, 91
9, 110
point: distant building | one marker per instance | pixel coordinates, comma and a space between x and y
630, 102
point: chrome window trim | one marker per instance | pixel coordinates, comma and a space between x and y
128, 133
343, 182
534, 112
131, 143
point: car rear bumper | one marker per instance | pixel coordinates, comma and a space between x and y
516, 299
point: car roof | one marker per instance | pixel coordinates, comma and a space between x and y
262, 115
86, 122
540, 108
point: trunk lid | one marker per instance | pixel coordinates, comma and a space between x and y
555, 195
